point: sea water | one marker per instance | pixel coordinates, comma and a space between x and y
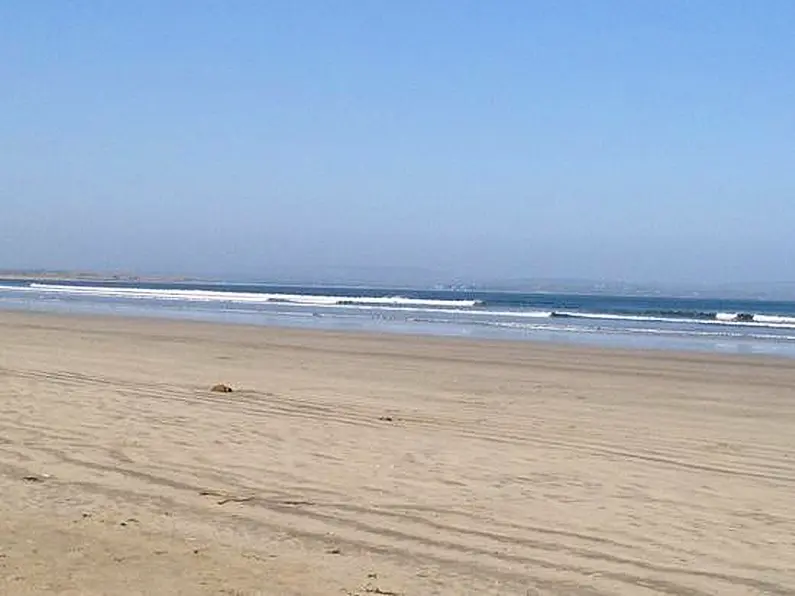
716, 325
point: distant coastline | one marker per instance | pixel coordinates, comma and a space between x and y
91, 276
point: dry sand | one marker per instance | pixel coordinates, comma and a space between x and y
365, 464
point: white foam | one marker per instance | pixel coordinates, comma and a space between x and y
726, 316
767, 321
774, 320
525, 314
245, 297
611, 317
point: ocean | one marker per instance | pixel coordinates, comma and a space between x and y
713, 325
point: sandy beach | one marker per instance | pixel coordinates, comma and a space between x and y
371, 464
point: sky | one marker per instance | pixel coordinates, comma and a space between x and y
619, 140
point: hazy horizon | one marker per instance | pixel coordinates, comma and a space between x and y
428, 279
645, 143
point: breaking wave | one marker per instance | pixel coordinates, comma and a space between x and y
246, 297
747, 319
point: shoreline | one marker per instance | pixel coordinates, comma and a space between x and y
373, 463
432, 341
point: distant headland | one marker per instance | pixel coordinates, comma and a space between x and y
90, 276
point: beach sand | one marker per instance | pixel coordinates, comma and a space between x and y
372, 464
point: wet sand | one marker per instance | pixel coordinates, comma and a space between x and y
370, 464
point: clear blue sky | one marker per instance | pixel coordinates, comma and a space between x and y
620, 140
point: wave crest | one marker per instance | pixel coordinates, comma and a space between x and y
249, 297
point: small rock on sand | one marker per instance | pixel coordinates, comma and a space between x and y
221, 388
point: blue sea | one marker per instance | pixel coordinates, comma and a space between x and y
713, 325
